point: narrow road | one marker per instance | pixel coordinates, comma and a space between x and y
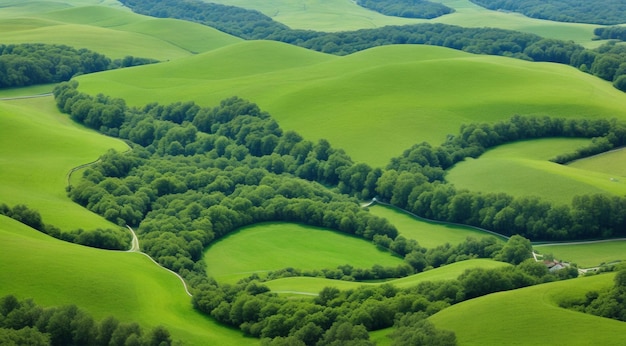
24, 97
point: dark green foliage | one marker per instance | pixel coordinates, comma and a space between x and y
407, 8
415, 329
610, 33
37, 63
576, 11
610, 303
25, 323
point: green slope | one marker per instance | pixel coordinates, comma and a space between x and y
125, 285
587, 255
612, 163
374, 103
272, 246
38, 148
531, 316
112, 31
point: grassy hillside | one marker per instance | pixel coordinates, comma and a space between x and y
428, 234
271, 246
113, 31
523, 169
342, 15
612, 163
531, 316
309, 286
374, 103
38, 147
587, 255
125, 285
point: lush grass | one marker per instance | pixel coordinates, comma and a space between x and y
38, 147
531, 316
612, 163
113, 32
271, 246
375, 103
106, 283
342, 15
587, 255
428, 234
308, 285
523, 169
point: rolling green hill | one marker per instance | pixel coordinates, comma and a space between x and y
612, 163
125, 285
531, 316
113, 31
375, 103
523, 169
587, 255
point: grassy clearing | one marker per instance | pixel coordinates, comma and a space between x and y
308, 285
38, 147
125, 285
271, 246
522, 169
342, 15
531, 316
587, 255
375, 103
428, 234
612, 163
112, 31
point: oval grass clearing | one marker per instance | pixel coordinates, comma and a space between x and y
272, 246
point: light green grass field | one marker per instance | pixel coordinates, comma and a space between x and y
375, 103
587, 255
113, 31
309, 285
531, 316
343, 15
612, 163
523, 169
38, 147
428, 234
125, 285
271, 246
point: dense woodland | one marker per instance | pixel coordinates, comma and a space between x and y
607, 62
407, 8
26, 323
38, 63
607, 12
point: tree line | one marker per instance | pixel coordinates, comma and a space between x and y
407, 8
38, 63
607, 62
22, 322
606, 12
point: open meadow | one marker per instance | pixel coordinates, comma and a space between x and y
344, 15
531, 316
522, 169
125, 285
587, 254
431, 91
272, 246
612, 163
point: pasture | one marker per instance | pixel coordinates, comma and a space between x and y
531, 316
522, 169
345, 15
271, 246
125, 285
428, 234
587, 254
358, 101
312, 286
38, 148
612, 163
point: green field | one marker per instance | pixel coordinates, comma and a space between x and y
428, 234
587, 255
523, 169
357, 101
311, 286
38, 147
125, 285
271, 246
115, 32
531, 316
343, 15
612, 163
